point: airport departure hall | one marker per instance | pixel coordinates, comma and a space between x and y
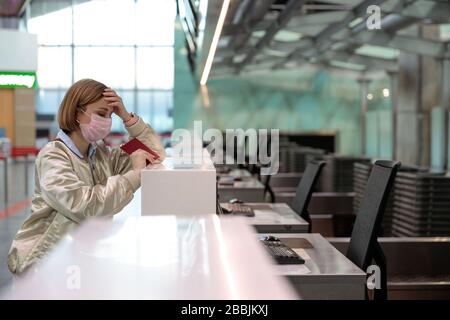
237, 150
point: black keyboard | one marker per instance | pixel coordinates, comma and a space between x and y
241, 209
280, 252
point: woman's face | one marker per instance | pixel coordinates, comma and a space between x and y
99, 107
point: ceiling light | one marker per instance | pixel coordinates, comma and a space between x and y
378, 52
287, 36
214, 42
205, 96
355, 22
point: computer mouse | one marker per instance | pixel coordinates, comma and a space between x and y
236, 200
270, 238
225, 210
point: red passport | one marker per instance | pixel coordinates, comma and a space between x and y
136, 144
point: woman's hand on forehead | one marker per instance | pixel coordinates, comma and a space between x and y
115, 101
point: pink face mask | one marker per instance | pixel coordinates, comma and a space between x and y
97, 129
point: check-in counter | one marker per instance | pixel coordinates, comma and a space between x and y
156, 257
235, 173
275, 218
417, 268
326, 274
331, 212
247, 190
339, 203
285, 182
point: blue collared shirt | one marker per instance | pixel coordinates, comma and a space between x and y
69, 143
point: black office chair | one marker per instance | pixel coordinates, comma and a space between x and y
364, 246
305, 190
255, 170
267, 188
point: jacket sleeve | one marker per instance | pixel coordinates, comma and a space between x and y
121, 160
65, 192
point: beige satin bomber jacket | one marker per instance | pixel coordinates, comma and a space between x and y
70, 189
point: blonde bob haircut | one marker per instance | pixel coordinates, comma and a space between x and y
80, 94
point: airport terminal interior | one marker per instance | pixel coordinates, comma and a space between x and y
319, 162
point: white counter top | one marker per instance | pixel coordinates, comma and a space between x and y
163, 257
326, 274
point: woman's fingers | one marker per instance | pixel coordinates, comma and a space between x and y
147, 155
115, 98
150, 158
115, 104
144, 154
115, 101
135, 153
110, 94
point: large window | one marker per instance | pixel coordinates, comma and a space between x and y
127, 44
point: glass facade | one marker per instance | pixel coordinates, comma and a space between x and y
126, 44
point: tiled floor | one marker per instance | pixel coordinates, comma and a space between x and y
14, 219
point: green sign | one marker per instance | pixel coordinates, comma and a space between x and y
10, 79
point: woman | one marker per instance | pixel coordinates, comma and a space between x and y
78, 177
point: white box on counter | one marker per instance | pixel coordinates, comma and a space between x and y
168, 188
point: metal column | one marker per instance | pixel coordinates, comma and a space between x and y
445, 101
5, 173
364, 89
393, 78
26, 175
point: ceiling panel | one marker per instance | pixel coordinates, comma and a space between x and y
10, 8
330, 32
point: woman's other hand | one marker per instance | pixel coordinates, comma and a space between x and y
139, 158
115, 101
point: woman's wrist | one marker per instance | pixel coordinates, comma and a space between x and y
132, 120
126, 117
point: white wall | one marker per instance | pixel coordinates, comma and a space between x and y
18, 51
